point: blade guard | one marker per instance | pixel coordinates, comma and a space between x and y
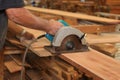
63, 33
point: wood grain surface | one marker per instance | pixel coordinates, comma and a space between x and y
74, 15
93, 63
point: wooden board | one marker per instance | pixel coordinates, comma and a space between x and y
106, 48
12, 66
92, 39
74, 15
95, 28
94, 63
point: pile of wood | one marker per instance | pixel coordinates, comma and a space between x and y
89, 65
37, 68
111, 6
79, 66
87, 6
68, 5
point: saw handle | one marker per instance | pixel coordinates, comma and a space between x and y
50, 37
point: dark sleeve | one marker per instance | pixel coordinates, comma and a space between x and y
5, 4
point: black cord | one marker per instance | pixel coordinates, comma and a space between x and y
25, 54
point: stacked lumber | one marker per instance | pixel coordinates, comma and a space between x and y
68, 5
117, 53
113, 2
111, 6
55, 69
46, 68
114, 6
52, 68
72, 66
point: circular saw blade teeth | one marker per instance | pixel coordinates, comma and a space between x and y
71, 42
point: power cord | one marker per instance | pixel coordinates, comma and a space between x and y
25, 54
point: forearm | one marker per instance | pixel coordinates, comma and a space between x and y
18, 31
25, 18
13, 28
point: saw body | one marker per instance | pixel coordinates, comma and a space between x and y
67, 40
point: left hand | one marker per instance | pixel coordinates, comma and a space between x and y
26, 36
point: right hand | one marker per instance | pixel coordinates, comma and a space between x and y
54, 26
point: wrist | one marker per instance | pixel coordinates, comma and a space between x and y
21, 34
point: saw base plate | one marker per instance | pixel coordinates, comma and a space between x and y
57, 51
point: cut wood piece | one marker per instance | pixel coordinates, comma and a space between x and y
18, 60
92, 39
12, 66
38, 51
96, 28
15, 42
8, 52
74, 15
108, 49
95, 64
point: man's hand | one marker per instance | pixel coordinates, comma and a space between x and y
54, 26
27, 36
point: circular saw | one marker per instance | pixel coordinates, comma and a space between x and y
67, 40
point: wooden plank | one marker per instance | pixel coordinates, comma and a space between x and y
7, 52
106, 48
95, 64
12, 66
92, 39
74, 15
95, 28
18, 60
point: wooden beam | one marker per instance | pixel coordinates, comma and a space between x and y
92, 39
95, 28
74, 15
95, 64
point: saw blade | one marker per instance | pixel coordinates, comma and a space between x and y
71, 43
